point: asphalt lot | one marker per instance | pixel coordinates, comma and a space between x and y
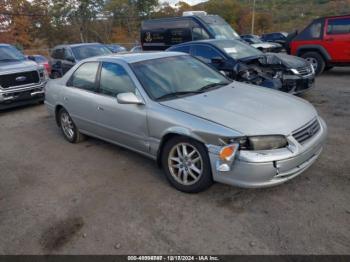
97, 198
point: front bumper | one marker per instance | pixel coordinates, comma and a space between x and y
295, 84
252, 169
22, 96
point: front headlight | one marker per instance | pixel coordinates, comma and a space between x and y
294, 71
261, 142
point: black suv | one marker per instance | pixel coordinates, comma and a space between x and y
64, 57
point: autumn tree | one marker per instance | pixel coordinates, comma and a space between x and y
227, 9
16, 27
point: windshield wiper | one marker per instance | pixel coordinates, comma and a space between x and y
212, 85
177, 94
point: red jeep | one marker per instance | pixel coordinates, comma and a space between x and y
324, 43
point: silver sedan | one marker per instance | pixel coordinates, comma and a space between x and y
198, 125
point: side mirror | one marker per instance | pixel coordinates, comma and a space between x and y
217, 60
30, 57
129, 98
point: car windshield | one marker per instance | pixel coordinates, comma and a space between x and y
10, 53
176, 76
86, 51
219, 27
237, 49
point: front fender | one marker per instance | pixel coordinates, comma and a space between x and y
318, 48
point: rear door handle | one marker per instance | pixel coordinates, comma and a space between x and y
330, 39
100, 108
65, 99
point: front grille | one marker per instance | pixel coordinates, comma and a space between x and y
305, 70
307, 132
19, 79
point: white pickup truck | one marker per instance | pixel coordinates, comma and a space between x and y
21, 81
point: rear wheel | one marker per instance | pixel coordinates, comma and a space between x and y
316, 60
68, 128
186, 165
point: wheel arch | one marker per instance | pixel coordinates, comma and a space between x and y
314, 48
57, 109
175, 133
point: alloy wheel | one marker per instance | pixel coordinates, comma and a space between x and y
67, 125
185, 164
313, 62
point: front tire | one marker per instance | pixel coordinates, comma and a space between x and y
68, 128
186, 165
316, 60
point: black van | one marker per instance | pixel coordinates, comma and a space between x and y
160, 34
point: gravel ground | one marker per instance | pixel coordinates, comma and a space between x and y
97, 198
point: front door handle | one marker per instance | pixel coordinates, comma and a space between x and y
100, 108
330, 39
65, 99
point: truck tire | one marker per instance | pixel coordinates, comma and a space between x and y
316, 60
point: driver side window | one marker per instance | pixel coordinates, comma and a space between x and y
115, 80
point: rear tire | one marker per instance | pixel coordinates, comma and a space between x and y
316, 60
189, 169
68, 128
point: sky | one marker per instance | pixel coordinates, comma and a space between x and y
191, 2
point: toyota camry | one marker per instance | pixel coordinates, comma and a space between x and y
197, 124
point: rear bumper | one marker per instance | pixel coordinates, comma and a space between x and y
269, 168
21, 96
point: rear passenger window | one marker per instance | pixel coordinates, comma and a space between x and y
338, 26
184, 49
57, 53
85, 77
313, 31
115, 80
199, 34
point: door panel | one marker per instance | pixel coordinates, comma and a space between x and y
80, 96
82, 107
125, 124
337, 39
122, 123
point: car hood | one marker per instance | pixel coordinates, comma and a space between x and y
18, 66
279, 59
248, 109
288, 60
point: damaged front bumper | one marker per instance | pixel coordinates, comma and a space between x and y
22, 95
295, 84
254, 169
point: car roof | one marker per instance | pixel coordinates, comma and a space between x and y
214, 42
130, 58
76, 45
5, 44
335, 16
